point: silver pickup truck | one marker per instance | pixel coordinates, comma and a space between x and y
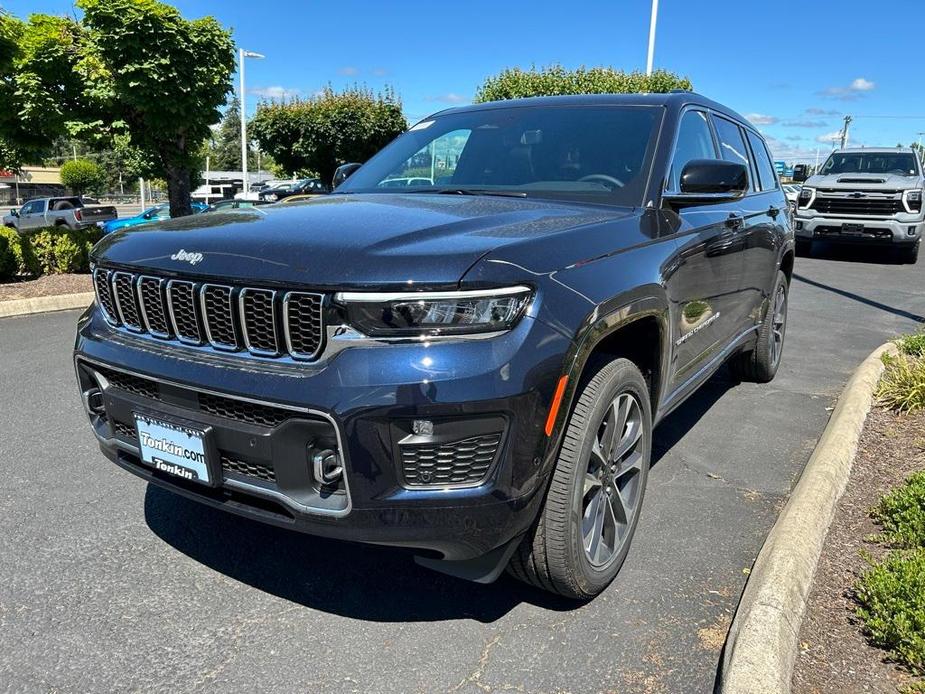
867, 196
50, 212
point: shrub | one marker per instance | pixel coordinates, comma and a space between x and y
18, 247
514, 83
913, 345
902, 513
8, 262
902, 387
58, 249
82, 175
892, 604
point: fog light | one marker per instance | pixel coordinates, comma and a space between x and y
422, 427
799, 226
93, 400
327, 466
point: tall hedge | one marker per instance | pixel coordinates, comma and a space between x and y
514, 83
319, 134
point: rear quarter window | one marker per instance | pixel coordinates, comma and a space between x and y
767, 176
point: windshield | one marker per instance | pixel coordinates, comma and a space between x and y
592, 153
899, 163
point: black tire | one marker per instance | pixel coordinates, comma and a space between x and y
804, 247
760, 364
553, 556
911, 254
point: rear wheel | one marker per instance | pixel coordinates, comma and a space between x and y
760, 364
583, 534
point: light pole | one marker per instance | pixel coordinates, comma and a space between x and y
242, 54
652, 20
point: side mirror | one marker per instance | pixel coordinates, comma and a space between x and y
15, 213
800, 173
343, 172
710, 180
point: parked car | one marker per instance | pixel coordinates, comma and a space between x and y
792, 191
234, 204
306, 186
472, 369
214, 192
71, 212
871, 196
152, 214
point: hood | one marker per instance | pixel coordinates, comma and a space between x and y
347, 240
117, 224
863, 181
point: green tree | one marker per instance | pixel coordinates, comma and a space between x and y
514, 83
82, 175
40, 90
321, 133
161, 75
226, 154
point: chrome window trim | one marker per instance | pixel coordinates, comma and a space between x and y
173, 319
377, 297
141, 305
247, 343
302, 356
115, 292
254, 489
224, 346
107, 279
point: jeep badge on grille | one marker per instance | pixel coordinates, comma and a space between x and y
187, 256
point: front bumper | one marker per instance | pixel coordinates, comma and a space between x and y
905, 229
362, 401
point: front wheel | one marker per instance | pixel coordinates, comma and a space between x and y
583, 534
911, 253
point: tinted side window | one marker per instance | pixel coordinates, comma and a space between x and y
29, 208
731, 145
767, 176
695, 141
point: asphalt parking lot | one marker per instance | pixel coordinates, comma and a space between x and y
108, 584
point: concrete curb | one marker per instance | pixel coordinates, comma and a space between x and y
762, 643
43, 304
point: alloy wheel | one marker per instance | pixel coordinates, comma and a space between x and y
612, 490
778, 323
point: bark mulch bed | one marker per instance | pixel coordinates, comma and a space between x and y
47, 285
834, 655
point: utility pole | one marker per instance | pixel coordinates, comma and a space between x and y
844, 132
652, 21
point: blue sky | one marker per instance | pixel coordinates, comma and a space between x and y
796, 68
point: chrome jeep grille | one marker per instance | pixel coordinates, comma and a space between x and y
263, 322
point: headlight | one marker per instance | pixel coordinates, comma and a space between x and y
806, 196
412, 314
912, 200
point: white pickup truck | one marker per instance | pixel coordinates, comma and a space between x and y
52, 212
871, 196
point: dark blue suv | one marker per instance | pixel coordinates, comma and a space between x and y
464, 349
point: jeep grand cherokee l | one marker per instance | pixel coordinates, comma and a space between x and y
868, 196
469, 366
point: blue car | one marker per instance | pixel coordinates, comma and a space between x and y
152, 214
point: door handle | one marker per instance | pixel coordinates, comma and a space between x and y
773, 211
735, 221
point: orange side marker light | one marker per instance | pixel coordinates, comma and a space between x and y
554, 407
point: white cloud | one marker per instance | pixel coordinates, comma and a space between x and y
348, 71
762, 119
450, 98
805, 123
273, 92
829, 138
822, 112
853, 91
380, 72
792, 154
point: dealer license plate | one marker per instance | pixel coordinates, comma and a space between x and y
852, 229
172, 448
